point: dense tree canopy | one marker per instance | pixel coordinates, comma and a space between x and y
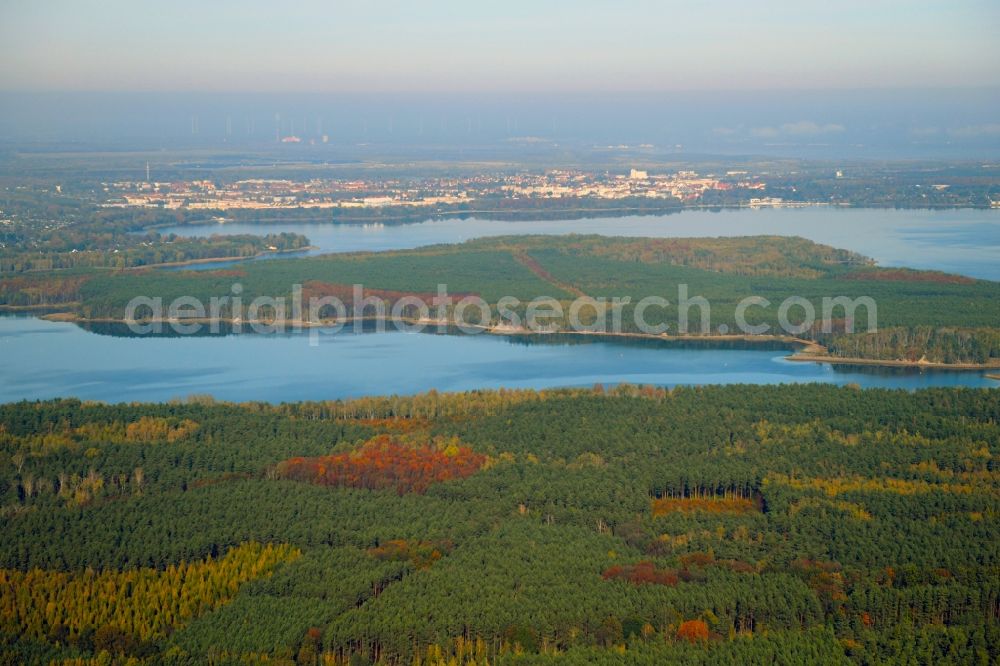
795, 524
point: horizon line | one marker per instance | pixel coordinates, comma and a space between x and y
477, 91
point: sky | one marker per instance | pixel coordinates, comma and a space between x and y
514, 45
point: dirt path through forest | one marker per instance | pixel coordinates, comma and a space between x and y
522, 257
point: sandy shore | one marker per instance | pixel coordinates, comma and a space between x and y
891, 363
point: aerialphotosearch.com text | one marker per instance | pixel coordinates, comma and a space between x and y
327, 314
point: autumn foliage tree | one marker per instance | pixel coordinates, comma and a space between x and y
642, 573
385, 462
733, 505
693, 631
151, 429
136, 604
421, 553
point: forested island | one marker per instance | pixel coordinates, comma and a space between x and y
740, 524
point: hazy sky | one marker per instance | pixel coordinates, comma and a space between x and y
518, 45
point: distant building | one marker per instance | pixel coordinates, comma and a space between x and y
636, 174
291, 139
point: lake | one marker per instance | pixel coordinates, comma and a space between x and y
43, 359
965, 241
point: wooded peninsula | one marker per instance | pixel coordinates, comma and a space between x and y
924, 318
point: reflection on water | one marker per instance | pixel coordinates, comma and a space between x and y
43, 359
121, 330
644, 343
225, 329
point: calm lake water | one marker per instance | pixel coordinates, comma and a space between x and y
957, 241
43, 359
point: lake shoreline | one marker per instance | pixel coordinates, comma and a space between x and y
165, 264
803, 350
893, 363
837, 226
406, 215
37, 309
212, 260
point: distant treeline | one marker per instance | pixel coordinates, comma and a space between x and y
154, 249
